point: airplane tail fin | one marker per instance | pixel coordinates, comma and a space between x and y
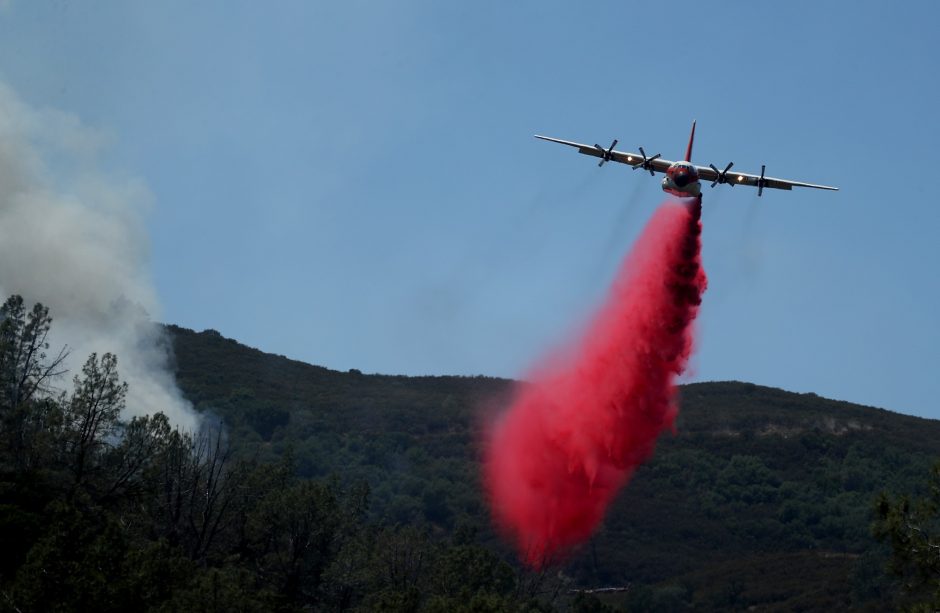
688, 152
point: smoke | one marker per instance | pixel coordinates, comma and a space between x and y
576, 432
72, 237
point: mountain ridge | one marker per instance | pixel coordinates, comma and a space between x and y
751, 477
782, 397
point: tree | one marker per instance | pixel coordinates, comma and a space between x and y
92, 416
401, 559
295, 534
76, 565
25, 368
194, 491
26, 372
911, 526
142, 441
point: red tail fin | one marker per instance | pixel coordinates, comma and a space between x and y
688, 152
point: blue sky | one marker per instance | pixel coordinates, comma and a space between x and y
355, 184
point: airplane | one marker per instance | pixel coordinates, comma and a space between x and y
682, 178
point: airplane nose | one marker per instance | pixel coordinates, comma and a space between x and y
681, 179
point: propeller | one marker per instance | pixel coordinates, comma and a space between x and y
761, 182
723, 175
607, 153
646, 164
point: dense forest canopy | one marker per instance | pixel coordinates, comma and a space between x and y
312, 489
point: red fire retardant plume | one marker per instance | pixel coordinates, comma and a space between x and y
578, 429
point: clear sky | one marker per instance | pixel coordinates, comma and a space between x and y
355, 184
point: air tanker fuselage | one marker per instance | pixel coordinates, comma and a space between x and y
681, 178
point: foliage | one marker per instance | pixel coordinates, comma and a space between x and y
911, 527
109, 515
753, 478
339, 491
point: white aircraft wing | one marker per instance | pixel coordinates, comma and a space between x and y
707, 173
657, 164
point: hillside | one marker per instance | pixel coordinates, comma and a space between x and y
761, 497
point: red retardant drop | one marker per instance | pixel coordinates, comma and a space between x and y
577, 430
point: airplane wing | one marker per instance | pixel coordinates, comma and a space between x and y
706, 173
630, 159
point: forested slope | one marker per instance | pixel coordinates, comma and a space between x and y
311, 489
760, 497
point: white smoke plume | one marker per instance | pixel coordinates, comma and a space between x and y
72, 238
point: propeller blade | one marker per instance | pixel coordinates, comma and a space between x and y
721, 176
760, 182
606, 154
654, 157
